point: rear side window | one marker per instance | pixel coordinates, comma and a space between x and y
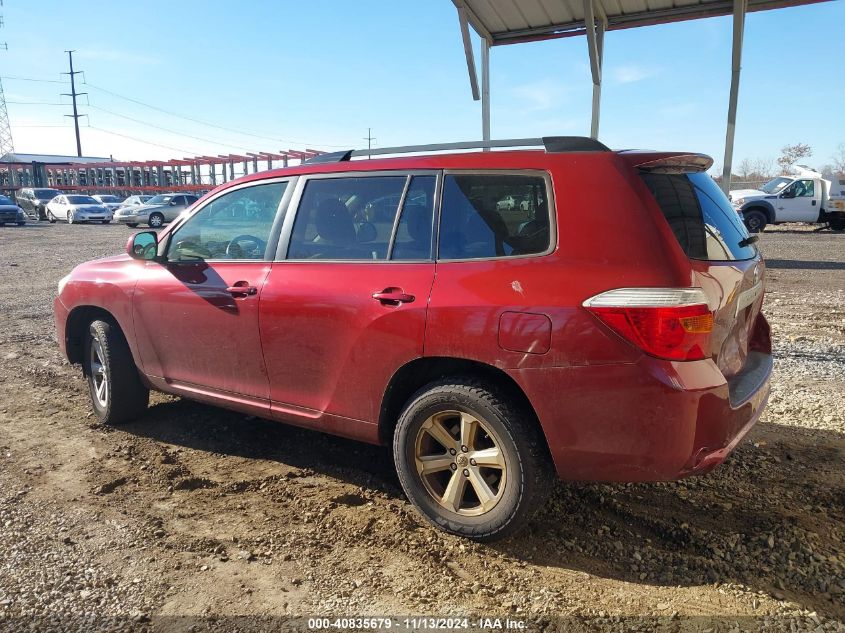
494, 215
346, 218
701, 217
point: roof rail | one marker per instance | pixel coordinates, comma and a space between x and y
552, 145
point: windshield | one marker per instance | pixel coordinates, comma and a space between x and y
159, 200
47, 194
81, 200
5, 200
776, 184
109, 199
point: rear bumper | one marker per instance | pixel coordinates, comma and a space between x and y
652, 420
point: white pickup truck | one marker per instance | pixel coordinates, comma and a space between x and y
804, 197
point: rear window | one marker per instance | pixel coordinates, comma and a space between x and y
494, 215
701, 217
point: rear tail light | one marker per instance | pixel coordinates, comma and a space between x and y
670, 323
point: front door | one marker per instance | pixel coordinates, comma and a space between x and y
196, 314
798, 202
347, 307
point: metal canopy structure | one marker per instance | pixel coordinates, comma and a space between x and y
500, 22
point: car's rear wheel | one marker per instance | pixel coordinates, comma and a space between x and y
116, 390
755, 220
472, 461
156, 220
41, 213
837, 224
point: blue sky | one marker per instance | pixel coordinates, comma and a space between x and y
319, 73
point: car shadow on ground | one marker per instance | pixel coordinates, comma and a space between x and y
770, 518
798, 264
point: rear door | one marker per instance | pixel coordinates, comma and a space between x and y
726, 266
346, 305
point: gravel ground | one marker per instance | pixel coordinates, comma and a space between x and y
195, 518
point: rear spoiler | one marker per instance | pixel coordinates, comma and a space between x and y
667, 162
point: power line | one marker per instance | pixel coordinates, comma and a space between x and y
37, 103
140, 140
50, 81
201, 122
159, 127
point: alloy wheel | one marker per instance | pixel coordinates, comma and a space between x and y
99, 373
460, 462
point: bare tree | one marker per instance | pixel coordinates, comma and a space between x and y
839, 159
790, 154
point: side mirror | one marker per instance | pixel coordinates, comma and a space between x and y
143, 245
172, 203
790, 193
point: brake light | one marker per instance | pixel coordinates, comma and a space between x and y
669, 323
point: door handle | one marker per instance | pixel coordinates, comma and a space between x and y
393, 296
242, 289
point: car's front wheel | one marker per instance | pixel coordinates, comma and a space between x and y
51, 217
70, 218
117, 393
41, 213
755, 221
132, 225
472, 461
156, 220
837, 224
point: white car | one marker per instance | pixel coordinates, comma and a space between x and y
113, 203
506, 204
77, 208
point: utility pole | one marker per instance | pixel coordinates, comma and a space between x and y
74, 94
369, 138
7, 147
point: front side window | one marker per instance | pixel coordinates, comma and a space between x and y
494, 215
237, 225
801, 189
347, 218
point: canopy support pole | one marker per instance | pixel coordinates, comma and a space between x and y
473, 75
740, 7
485, 90
595, 48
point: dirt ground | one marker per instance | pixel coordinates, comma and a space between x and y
195, 518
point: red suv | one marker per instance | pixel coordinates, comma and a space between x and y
608, 327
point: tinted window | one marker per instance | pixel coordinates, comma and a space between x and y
81, 200
346, 218
46, 194
5, 200
237, 225
701, 217
413, 235
486, 215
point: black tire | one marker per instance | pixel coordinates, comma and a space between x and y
837, 224
41, 213
21, 223
132, 225
156, 220
106, 221
69, 217
755, 220
126, 397
51, 217
2, 224
514, 431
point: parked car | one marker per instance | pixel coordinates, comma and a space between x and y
156, 211
506, 204
135, 201
34, 201
77, 208
10, 213
626, 344
113, 203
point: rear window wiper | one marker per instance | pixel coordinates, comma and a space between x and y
748, 241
